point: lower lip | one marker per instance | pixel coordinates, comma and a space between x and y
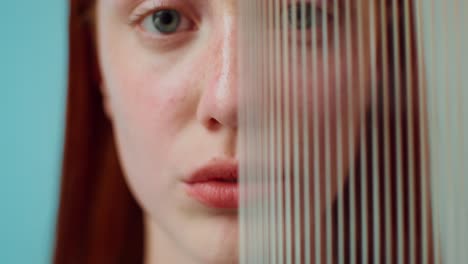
216, 194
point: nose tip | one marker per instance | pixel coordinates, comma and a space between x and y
218, 105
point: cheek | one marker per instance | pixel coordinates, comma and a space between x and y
336, 100
149, 103
332, 89
149, 106
147, 92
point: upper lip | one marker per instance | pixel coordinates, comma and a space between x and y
226, 170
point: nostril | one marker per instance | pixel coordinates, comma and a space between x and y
212, 124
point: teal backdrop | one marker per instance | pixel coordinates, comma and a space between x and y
33, 66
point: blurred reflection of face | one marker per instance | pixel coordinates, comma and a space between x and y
170, 77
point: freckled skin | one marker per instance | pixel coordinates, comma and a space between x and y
163, 97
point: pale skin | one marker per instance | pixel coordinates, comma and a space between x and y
172, 99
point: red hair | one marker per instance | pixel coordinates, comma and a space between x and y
98, 221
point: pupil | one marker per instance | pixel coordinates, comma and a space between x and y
166, 18
166, 21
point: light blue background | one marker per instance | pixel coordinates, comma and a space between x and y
33, 55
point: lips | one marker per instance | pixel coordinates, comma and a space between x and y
215, 185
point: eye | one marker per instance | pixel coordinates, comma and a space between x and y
166, 21
308, 13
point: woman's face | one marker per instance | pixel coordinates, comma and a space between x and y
170, 81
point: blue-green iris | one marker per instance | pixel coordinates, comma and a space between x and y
166, 21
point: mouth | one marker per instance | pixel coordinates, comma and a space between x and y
215, 185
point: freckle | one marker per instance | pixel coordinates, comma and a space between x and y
177, 99
173, 100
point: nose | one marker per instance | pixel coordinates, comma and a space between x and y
218, 104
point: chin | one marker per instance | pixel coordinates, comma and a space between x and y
216, 241
228, 255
